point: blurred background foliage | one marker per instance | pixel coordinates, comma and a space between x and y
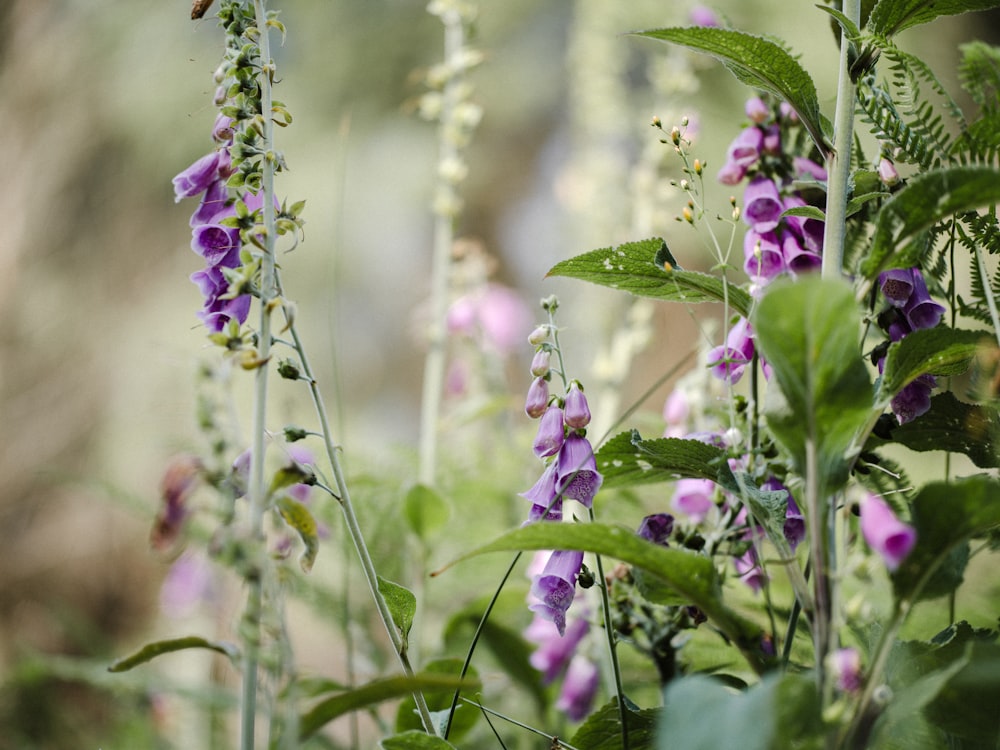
103, 102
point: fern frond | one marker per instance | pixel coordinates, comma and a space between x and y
887, 124
979, 73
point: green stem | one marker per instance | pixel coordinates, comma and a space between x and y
256, 493
437, 337
839, 163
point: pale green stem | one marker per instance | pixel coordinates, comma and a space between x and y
991, 303
818, 530
839, 163
437, 335
354, 529
256, 492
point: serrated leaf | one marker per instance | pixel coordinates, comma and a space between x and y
158, 648
951, 425
425, 510
819, 393
300, 518
632, 267
415, 740
603, 730
439, 702
926, 200
759, 63
402, 605
889, 17
945, 515
809, 212
627, 460
701, 713
691, 575
928, 351
374, 692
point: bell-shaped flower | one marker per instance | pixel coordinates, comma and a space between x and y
772, 140
803, 167
798, 260
762, 204
896, 285
885, 534
701, 15
729, 361
887, 172
749, 571
579, 688
546, 503
845, 667
551, 433
579, 478
555, 587
808, 230
922, 311
213, 204
694, 498
196, 178
540, 362
762, 256
554, 651
217, 244
757, 110
743, 153
537, 400
576, 410
657, 528
914, 399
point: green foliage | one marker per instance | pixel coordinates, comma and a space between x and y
701, 713
627, 460
931, 351
759, 63
300, 518
439, 699
402, 605
603, 730
414, 739
158, 648
425, 511
820, 392
889, 17
632, 267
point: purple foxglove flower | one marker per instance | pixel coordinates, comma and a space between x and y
762, 204
914, 399
196, 178
743, 152
213, 205
887, 172
217, 244
551, 433
579, 688
577, 412
188, 583
554, 651
703, 16
749, 570
546, 504
540, 363
797, 259
657, 528
787, 112
803, 167
676, 408
756, 110
222, 129
922, 311
809, 231
539, 335
729, 361
885, 534
795, 525
845, 666
579, 478
694, 498
896, 285
772, 140
538, 398
556, 587
217, 313
461, 317
502, 316
763, 259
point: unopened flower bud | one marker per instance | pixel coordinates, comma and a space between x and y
675, 135
576, 411
550, 435
537, 401
540, 362
688, 216
656, 123
698, 167
539, 335
887, 172
289, 370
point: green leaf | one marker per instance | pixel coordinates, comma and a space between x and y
926, 200
603, 730
945, 515
809, 212
627, 460
402, 605
928, 351
700, 713
759, 63
439, 702
389, 688
632, 268
819, 394
158, 648
425, 510
954, 426
691, 575
889, 17
414, 739
300, 518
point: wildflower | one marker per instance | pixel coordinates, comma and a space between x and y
196, 178
743, 153
213, 203
922, 311
577, 412
694, 498
803, 167
555, 588
217, 244
729, 361
657, 528
887, 172
546, 502
554, 650
540, 363
494, 316
896, 285
187, 584
179, 481
798, 259
914, 399
703, 16
538, 398
762, 204
579, 688
885, 534
551, 433
845, 666
749, 570
762, 256
578, 477
757, 110
675, 413
808, 230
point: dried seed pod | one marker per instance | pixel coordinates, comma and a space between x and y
198, 8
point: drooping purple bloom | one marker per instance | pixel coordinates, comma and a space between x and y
795, 525
914, 399
188, 583
579, 478
808, 230
845, 666
579, 688
885, 534
743, 153
694, 498
803, 167
797, 259
763, 258
576, 410
196, 178
555, 588
554, 651
538, 398
922, 311
729, 361
757, 110
749, 570
772, 139
546, 503
540, 363
213, 203
217, 244
551, 433
657, 528
896, 285
762, 204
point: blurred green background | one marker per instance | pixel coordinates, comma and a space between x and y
103, 102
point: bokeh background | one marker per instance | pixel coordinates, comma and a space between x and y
103, 102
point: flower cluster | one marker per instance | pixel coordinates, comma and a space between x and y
909, 308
